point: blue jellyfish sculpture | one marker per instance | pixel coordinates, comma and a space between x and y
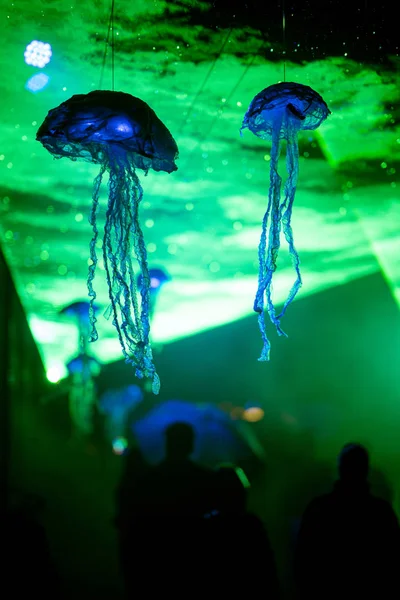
121, 133
278, 113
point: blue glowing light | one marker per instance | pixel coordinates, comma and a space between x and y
217, 437
37, 82
37, 54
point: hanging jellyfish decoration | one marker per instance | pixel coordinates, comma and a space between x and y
158, 278
278, 113
79, 311
118, 406
121, 133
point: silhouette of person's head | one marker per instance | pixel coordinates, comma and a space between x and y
353, 464
179, 441
232, 485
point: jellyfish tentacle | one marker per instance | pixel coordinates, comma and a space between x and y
122, 225
93, 335
141, 252
82, 398
274, 241
115, 287
118, 255
141, 256
128, 264
259, 299
134, 196
292, 165
267, 256
107, 253
131, 292
122, 219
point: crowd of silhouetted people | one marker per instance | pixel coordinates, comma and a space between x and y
185, 532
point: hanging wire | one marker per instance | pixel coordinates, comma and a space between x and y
112, 46
366, 24
202, 138
230, 95
110, 32
207, 77
284, 39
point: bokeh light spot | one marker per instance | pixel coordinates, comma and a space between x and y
37, 82
37, 54
119, 445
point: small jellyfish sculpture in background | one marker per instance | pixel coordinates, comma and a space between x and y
118, 406
121, 133
79, 311
278, 113
82, 369
158, 278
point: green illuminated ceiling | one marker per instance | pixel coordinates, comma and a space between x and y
202, 223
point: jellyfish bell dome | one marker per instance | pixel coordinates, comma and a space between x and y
134, 393
81, 363
284, 103
90, 126
78, 310
157, 278
115, 400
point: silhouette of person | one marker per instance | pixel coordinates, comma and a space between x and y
128, 519
236, 537
349, 540
180, 487
162, 547
134, 471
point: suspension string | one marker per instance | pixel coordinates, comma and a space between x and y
112, 46
284, 39
366, 23
110, 33
207, 77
